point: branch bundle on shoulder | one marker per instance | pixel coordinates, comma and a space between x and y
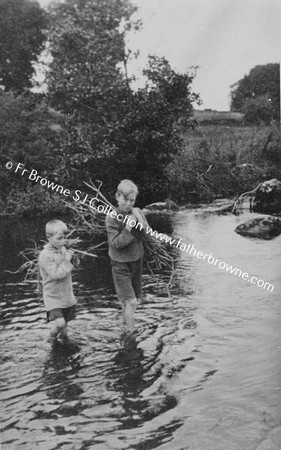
88, 221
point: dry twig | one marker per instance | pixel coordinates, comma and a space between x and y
243, 196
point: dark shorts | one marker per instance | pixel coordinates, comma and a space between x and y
67, 313
127, 279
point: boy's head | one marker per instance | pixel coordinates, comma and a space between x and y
126, 195
56, 231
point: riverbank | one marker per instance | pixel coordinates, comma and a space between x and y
214, 161
224, 161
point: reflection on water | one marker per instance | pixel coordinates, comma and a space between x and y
205, 374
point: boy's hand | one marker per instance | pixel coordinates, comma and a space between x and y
138, 216
75, 260
67, 254
128, 221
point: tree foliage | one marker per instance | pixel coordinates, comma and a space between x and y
257, 95
85, 81
113, 131
87, 45
21, 40
159, 113
91, 124
30, 133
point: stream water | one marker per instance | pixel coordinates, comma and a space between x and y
205, 375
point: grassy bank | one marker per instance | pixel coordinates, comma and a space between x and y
220, 160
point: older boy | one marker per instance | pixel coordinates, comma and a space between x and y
125, 227
56, 264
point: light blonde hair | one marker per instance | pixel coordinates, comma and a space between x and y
127, 187
55, 225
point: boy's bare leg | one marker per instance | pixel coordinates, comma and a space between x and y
63, 333
129, 314
123, 314
58, 327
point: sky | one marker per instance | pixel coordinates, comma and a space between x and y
225, 38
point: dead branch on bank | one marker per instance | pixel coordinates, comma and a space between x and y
242, 197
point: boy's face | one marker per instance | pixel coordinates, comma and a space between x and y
126, 202
58, 239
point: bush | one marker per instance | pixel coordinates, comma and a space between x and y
224, 161
34, 201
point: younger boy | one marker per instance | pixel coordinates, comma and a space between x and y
125, 228
56, 264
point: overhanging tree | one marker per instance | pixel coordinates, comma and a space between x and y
22, 24
161, 111
88, 46
113, 132
85, 79
30, 134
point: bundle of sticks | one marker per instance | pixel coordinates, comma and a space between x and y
88, 224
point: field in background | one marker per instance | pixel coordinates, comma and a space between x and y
217, 116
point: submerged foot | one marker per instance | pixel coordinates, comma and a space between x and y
53, 341
62, 339
128, 340
57, 340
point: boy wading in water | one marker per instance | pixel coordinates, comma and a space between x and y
56, 264
125, 229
